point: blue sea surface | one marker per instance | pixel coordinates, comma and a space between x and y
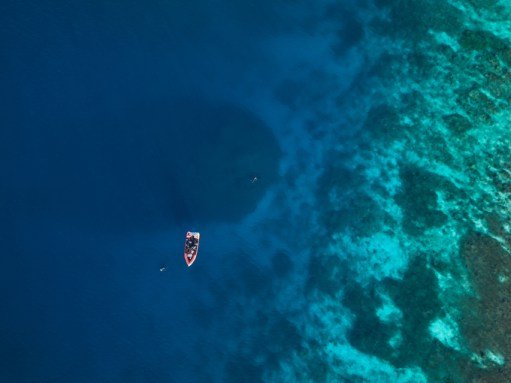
118, 135
344, 161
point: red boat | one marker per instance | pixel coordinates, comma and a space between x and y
191, 247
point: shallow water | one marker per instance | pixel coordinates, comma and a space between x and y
373, 246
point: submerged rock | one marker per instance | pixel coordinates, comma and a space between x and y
457, 123
486, 322
418, 199
383, 122
480, 40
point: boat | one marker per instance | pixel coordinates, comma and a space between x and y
191, 247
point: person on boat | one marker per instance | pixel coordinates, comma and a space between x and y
192, 241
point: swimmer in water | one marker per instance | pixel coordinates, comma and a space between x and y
163, 268
254, 180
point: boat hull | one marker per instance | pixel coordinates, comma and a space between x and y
191, 247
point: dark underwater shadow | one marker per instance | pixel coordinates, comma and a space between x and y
180, 162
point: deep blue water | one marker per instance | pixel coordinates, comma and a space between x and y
117, 137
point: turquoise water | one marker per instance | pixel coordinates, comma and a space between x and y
374, 246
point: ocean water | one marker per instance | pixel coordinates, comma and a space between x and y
373, 247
